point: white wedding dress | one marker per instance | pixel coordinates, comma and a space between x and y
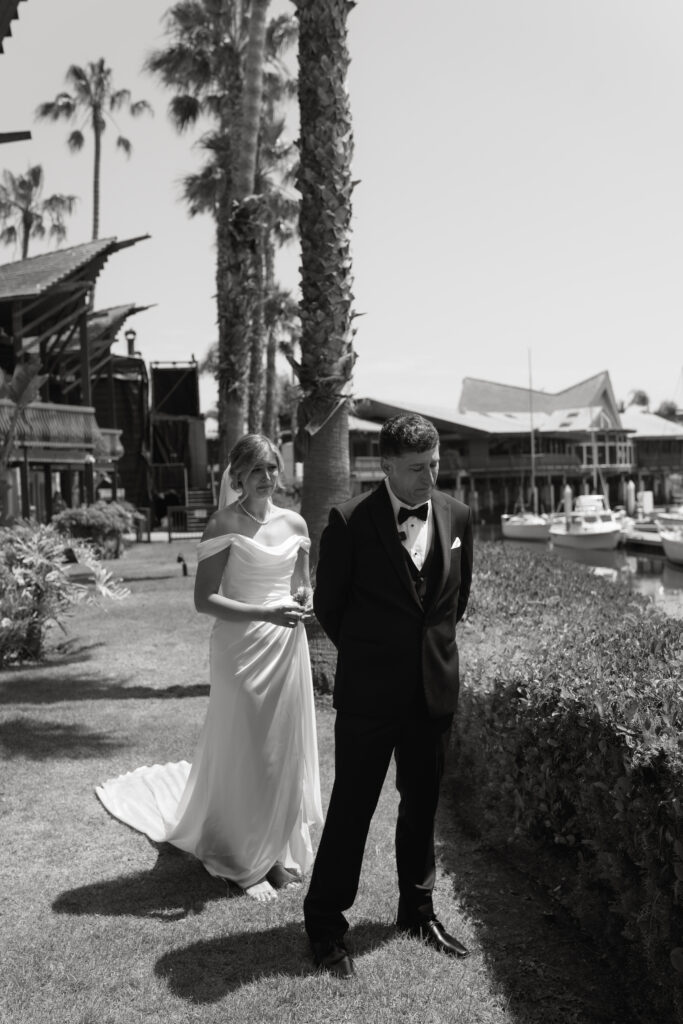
253, 790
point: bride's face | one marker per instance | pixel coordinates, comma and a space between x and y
261, 480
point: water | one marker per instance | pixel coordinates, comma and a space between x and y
648, 573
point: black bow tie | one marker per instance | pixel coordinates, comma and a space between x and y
406, 513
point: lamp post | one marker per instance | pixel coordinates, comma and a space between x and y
130, 335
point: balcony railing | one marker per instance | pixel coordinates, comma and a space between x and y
47, 425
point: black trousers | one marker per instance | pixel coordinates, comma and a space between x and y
363, 750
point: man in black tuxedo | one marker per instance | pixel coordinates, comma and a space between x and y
393, 578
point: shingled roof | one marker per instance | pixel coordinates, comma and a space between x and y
27, 279
8, 12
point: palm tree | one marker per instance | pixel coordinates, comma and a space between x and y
327, 357
213, 52
94, 99
23, 213
638, 397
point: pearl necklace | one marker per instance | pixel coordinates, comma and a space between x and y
251, 515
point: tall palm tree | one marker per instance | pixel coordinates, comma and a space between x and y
212, 55
23, 211
327, 357
94, 100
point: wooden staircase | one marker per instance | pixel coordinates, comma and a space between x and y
200, 505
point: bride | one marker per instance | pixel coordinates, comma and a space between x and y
245, 805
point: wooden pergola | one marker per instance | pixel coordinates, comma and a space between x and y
45, 309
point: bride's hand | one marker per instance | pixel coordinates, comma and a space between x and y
286, 613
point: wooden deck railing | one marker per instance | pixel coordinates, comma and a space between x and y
47, 425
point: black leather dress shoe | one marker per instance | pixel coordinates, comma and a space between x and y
333, 956
434, 934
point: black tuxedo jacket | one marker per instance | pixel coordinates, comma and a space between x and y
388, 644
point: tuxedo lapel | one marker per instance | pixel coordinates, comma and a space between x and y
442, 526
382, 514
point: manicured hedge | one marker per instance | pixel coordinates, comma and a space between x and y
570, 740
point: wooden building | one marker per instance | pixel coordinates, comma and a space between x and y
45, 309
579, 436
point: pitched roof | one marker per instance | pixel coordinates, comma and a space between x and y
8, 12
106, 323
483, 396
26, 279
646, 424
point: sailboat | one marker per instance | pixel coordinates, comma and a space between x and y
527, 525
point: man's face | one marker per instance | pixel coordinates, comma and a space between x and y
412, 475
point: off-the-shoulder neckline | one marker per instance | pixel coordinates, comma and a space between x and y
265, 547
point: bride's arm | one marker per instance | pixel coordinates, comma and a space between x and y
208, 601
301, 580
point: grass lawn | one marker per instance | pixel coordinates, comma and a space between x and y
99, 925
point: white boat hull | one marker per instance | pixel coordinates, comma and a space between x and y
590, 540
673, 545
519, 528
670, 520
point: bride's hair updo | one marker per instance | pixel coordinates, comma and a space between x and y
249, 450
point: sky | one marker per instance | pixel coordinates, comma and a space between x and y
520, 196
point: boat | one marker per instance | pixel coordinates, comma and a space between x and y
591, 526
671, 520
643, 532
525, 526
673, 544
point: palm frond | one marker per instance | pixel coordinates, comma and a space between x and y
124, 144
184, 111
62, 107
119, 99
8, 235
140, 107
76, 141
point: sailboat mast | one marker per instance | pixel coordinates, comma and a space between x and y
534, 492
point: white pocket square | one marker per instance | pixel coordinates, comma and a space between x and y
455, 544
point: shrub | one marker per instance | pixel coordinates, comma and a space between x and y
103, 524
35, 588
570, 738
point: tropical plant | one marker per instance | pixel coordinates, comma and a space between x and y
668, 409
327, 357
215, 46
36, 588
102, 524
24, 213
570, 750
20, 389
639, 397
94, 100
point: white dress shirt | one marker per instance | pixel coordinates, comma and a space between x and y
417, 532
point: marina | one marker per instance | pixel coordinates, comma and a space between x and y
648, 572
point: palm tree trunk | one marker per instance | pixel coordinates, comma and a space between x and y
25, 233
270, 425
258, 345
242, 243
245, 170
326, 147
97, 131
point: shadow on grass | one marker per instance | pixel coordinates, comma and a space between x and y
547, 968
58, 687
206, 971
176, 887
40, 741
